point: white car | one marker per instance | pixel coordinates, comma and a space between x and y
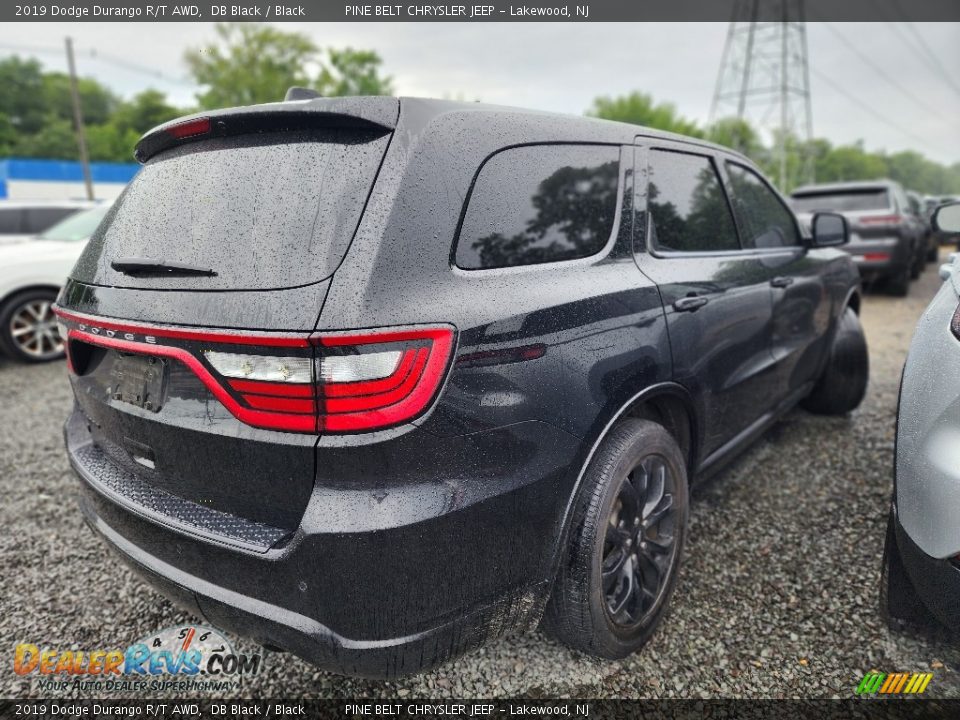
31, 274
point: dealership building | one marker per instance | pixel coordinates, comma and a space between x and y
35, 179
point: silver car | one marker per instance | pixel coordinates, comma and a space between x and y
921, 564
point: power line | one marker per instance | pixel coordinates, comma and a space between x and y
865, 107
877, 69
95, 54
935, 61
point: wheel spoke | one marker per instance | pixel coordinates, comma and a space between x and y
661, 511
629, 588
661, 545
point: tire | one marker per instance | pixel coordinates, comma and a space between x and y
933, 252
900, 606
28, 330
638, 458
916, 268
898, 284
843, 382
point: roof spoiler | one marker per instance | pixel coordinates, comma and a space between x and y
303, 109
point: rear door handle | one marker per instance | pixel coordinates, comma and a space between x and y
782, 281
689, 304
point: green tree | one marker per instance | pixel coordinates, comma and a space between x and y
22, 101
97, 101
353, 72
57, 140
250, 64
639, 108
144, 111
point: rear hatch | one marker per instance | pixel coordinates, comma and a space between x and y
243, 210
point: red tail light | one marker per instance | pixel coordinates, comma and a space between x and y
880, 220
328, 382
190, 128
876, 256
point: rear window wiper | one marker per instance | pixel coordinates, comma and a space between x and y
149, 266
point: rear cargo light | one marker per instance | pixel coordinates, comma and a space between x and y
881, 220
348, 382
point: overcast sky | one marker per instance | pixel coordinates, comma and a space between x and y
870, 81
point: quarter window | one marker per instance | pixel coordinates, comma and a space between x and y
540, 203
764, 221
687, 204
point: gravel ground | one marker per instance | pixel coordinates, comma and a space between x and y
777, 595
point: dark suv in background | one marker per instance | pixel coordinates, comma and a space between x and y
374, 380
886, 241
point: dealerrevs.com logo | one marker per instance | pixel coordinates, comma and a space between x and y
182, 658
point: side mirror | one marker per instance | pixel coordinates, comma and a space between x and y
829, 230
947, 218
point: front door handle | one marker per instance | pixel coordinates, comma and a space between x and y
782, 281
689, 304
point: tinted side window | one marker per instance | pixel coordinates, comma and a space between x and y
764, 220
39, 219
540, 203
10, 220
688, 208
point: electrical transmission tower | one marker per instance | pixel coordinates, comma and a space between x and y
764, 80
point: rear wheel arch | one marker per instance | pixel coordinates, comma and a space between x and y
666, 402
25, 289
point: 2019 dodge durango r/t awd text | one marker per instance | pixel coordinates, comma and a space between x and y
373, 380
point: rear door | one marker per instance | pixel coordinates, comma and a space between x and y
716, 294
801, 306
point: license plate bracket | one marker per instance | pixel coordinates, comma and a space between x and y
140, 380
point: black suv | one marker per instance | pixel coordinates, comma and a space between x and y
374, 380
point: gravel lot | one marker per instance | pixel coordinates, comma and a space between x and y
777, 596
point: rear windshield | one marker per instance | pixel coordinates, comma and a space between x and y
845, 201
263, 211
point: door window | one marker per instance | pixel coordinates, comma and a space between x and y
687, 205
764, 220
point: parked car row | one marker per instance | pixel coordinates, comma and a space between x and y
890, 238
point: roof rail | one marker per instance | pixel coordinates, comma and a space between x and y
301, 93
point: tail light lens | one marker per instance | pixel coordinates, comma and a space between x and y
357, 382
876, 256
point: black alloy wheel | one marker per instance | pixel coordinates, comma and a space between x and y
639, 545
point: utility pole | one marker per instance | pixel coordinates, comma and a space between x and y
764, 80
78, 120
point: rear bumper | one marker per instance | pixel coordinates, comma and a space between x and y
866, 254
413, 585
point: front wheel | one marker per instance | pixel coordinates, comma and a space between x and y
626, 538
843, 383
28, 327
